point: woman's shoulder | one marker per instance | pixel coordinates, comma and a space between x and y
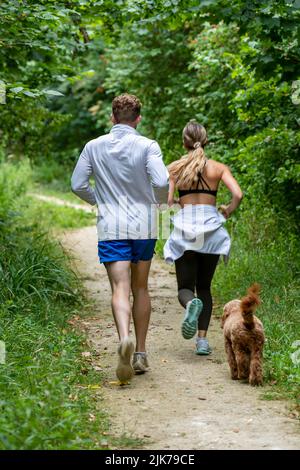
175, 162
217, 165
178, 160
215, 169
212, 161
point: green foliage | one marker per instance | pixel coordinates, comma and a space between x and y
51, 173
81, 105
231, 65
213, 85
157, 72
45, 397
45, 401
53, 216
237, 78
14, 182
41, 46
269, 165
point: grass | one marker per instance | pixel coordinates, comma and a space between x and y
43, 402
54, 179
64, 193
53, 175
45, 399
53, 216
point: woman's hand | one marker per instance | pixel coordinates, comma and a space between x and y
172, 201
235, 190
225, 210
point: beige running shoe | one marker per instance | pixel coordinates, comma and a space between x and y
124, 369
140, 362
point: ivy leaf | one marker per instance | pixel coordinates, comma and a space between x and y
53, 93
17, 89
29, 93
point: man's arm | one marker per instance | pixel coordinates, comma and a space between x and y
80, 179
157, 172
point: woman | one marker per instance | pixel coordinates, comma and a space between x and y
198, 238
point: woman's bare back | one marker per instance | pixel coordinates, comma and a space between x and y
212, 174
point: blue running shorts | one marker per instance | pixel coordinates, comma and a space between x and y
126, 250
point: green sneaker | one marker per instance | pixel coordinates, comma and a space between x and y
189, 325
202, 347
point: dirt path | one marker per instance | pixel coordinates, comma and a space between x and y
185, 401
60, 202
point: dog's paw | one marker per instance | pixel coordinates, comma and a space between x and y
243, 376
255, 381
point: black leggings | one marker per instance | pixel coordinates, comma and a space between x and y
195, 271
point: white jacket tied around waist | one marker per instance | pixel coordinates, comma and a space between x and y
130, 180
198, 228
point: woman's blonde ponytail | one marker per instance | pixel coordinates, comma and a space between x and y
186, 170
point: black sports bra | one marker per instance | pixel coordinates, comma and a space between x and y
197, 190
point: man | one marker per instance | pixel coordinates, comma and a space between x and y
130, 180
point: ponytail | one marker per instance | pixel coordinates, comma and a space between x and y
186, 171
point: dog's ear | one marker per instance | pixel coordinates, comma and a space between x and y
226, 313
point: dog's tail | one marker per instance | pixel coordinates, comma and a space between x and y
249, 304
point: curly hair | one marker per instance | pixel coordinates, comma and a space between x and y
126, 108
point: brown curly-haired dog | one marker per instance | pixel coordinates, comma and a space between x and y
244, 337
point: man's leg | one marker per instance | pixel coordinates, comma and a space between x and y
141, 309
119, 277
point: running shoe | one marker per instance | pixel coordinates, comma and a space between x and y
202, 347
124, 369
189, 325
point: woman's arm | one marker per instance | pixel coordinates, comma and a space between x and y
233, 186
